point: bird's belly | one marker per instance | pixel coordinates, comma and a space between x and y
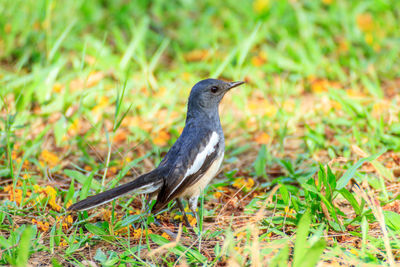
200, 185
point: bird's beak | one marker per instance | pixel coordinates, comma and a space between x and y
234, 84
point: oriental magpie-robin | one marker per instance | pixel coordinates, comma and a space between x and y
191, 162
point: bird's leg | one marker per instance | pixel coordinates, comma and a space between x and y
182, 208
193, 206
168, 232
148, 199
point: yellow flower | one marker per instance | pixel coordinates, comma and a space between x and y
102, 102
48, 192
113, 170
65, 221
239, 183
379, 108
165, 235
369, 39
99, 108
186, 76
192, 221
320, 86
58, 87
14, 155
178, 217
15, 194
354, 252
54, 205
69, 219
260, 6
249, 183
365, 22
50, 158
136, 211
44, 227
137, 233
336, 105
240, 235
286, 209
217, 195
7, 188
106, 214
123, 230
63, 243
74, 127
259, 59
262, 138
243, 183
69, 203
127, 159
87, 168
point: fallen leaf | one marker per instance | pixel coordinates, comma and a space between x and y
76, 84
161, 139
196, 55
120, 136
94, 78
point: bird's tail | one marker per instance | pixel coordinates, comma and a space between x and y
144, 184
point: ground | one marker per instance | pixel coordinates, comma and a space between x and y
93, 93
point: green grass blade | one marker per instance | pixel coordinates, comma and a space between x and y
344, 180
313, 254
59, 40
24, 246
81, 178
300, 247
137, 38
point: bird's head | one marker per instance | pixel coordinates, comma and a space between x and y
207, 94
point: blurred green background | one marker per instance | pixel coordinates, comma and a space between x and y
100, 88
62, 56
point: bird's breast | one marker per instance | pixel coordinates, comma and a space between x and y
204, 180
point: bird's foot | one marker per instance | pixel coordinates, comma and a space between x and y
168, 232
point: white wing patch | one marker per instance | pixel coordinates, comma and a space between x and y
200, 158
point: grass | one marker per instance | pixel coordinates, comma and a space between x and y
94, 93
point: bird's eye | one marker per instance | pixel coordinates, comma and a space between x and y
214, 89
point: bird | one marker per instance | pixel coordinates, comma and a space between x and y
192, 161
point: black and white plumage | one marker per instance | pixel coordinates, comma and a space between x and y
192, 161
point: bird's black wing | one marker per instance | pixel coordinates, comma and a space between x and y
184, 164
